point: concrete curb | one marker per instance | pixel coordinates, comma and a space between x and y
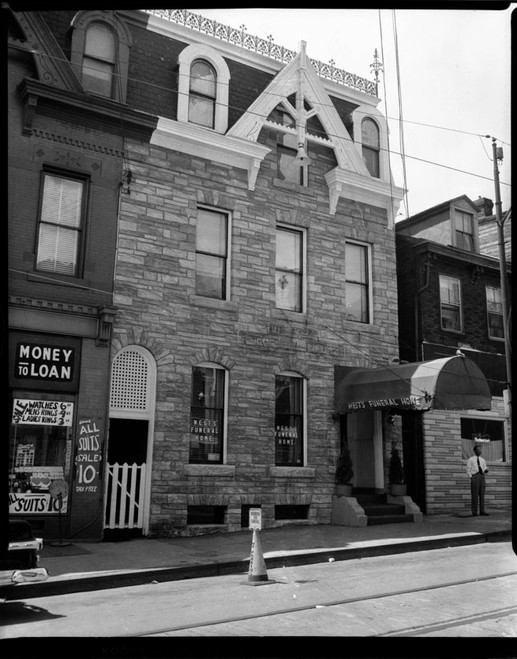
95, 581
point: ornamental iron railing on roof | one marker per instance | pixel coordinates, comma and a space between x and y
240, 37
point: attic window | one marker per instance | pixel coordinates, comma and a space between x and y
371, 146
202, 97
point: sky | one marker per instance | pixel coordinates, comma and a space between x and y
453, 74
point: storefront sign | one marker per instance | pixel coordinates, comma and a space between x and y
33, 504
407, 402
44, 362
88, 457
42, 412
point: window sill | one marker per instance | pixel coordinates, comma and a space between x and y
282, 314
209, 470
213, 303
292, 187
292, 472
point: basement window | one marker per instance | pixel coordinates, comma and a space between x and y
206, 515
291, 512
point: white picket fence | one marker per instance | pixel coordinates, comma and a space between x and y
125, 496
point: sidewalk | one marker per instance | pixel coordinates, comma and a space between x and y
85, 566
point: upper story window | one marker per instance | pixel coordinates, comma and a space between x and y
100, 53
61, 221
208, 414
289, 167
202, 95
203, 85
450, 304
357, 286
289, 419
99, 60
212, 263
494, 306
464, 230
289, 270
371, 146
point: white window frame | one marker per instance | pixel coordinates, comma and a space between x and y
372, 149
461, 214
185, 60
228, 269
294, 374
369, 284
442, 302
488, 312
219, 367
303, 232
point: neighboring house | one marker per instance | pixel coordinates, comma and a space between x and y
450, 299
65, 167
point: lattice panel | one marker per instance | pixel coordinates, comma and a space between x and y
129, 380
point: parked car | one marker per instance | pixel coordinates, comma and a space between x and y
19, 559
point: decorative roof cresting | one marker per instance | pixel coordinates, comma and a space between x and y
240, 37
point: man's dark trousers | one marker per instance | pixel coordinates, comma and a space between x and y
477, 492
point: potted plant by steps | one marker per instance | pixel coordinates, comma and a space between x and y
396, 474
344, 473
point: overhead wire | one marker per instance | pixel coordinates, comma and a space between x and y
406, 155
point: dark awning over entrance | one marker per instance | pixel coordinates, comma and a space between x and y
451, 383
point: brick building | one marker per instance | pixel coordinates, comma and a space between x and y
450, 299
65, 168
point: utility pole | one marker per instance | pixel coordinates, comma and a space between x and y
498, 155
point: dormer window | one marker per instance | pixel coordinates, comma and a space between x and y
202, 96
99, 60
371, 146
100, 53
203, 83
464, 231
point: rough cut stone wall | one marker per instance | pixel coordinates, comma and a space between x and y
158, 308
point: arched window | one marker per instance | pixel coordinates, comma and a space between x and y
202, 94
289, 419
371, 146
208, 405
99, 60
203, 83
100, 53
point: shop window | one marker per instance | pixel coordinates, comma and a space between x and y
371, 146
40, 445
494, 306
450, 304
206, 514
286, 512
207, 414
464, 229
289, 420
203, 84
61, 222
488, 433
100, 53
289, 271
212, 249
357, 286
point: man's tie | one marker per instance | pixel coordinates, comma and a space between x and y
479, 467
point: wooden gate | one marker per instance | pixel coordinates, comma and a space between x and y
125, 496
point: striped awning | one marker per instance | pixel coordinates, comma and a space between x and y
451, 383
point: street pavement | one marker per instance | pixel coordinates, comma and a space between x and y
83, 566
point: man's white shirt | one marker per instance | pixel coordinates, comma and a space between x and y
472, 465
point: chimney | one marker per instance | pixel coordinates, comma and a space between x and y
485, 206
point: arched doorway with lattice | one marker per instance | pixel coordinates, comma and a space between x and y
129, 456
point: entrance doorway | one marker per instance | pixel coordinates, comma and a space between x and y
413, 451
131, 428
363, 432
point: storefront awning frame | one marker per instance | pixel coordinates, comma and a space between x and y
449, 383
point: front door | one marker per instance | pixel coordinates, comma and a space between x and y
413, 452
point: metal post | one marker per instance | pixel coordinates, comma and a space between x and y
502, 267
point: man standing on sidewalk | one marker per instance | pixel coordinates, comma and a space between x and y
476, 470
